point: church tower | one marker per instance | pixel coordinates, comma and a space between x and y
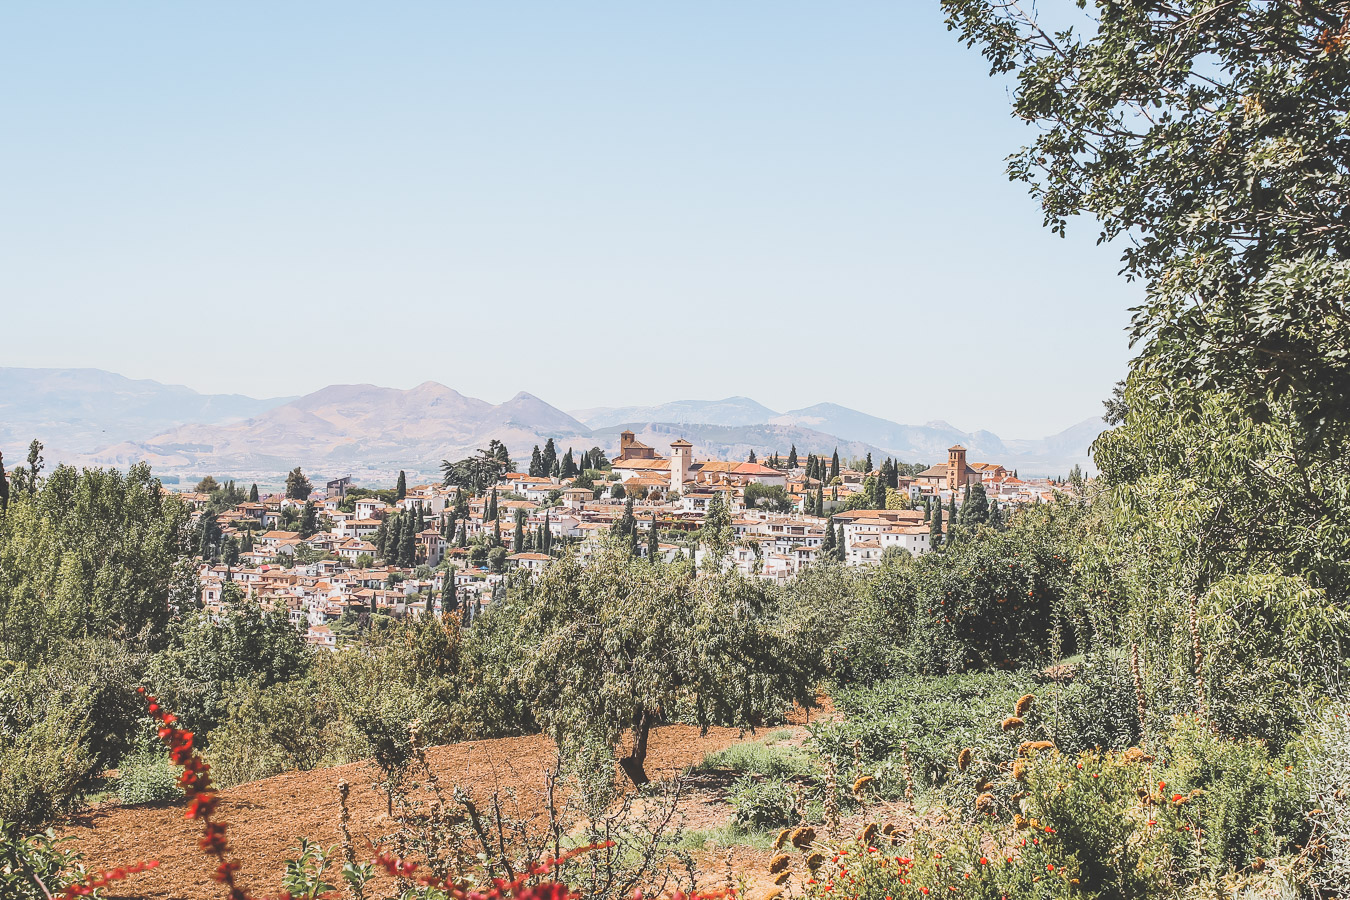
957, 471
681, 459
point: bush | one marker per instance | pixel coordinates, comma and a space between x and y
148, 777
762, 803
24, 861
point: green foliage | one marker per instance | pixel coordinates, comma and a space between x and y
293, 724
194, 672
35, 867
298, 487
761, 803
771, 497
606, 648
147, 777
758, 758
92, 553
1212, 134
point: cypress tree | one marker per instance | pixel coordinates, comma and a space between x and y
834, 464
868, 466
879, 492
492, 505
549, 460
965, 505
449, 596
496, 532
308, 520
401, 489
408, 553
653, 541
463, 535
840, 551
792, 457
827, 545
568, 469
536, 463
951, 509
752, 457
548, 534
935, 528
4, 485
518, 539
253, 493
820, 500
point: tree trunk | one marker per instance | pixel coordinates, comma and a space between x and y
632, 764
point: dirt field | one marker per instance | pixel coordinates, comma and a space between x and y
268, 817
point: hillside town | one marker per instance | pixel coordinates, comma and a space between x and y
332, 557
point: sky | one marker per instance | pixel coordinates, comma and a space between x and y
602, 204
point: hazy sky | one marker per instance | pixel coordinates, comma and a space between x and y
599, 203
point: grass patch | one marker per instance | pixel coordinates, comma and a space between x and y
768, 757
728, 835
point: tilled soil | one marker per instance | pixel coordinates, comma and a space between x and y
267, 818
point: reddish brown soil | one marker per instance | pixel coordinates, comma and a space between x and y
267, 818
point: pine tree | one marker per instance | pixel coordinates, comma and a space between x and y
401, 489
549, 459
792, 457
536, 463
253, 493
834, 464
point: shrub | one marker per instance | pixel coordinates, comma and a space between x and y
762, 803
26, 861
147, 778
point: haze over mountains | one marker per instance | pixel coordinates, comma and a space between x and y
91, 417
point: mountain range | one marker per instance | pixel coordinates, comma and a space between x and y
92, 417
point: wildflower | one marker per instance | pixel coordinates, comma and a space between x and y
984, 860
1178, 799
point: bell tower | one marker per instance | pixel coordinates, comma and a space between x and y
957, 471
681, 459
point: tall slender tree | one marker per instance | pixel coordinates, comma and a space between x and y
653, 540
792, 457
401, 489
536, 463
449, 594
4, 485
253, 493
834, 464
549, 459
518, 539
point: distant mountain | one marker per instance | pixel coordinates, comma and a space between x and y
74, 411
356, 428
911, 443
91, 417
733, 411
